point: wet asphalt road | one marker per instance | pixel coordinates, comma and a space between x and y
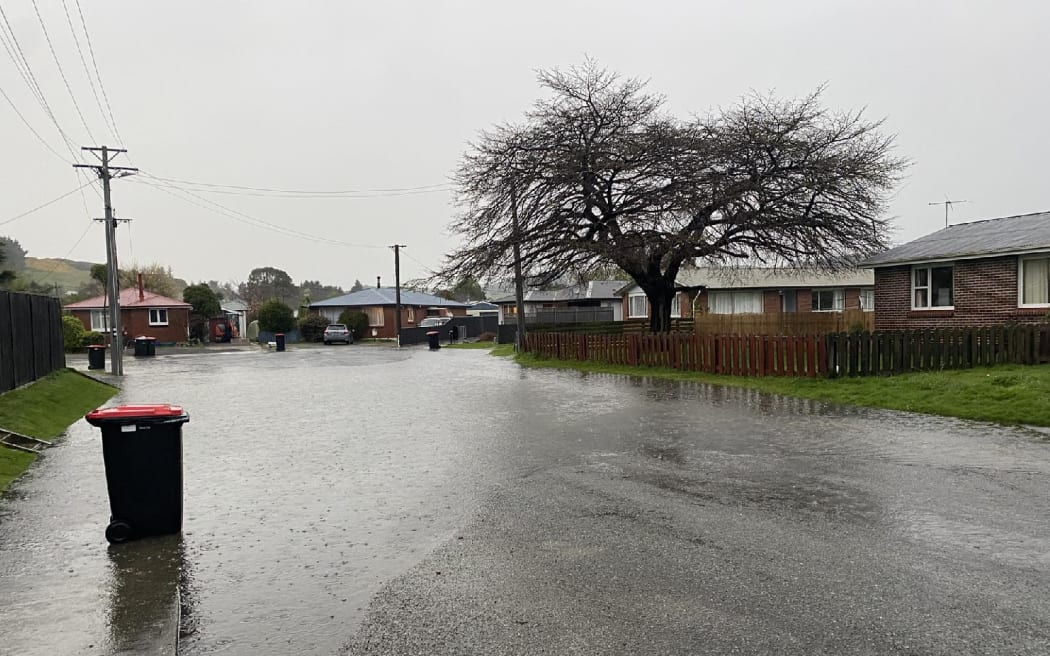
368, 501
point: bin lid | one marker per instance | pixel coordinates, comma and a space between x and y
123, 413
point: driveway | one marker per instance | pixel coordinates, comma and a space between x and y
373, 501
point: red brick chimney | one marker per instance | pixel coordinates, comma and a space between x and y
142, 291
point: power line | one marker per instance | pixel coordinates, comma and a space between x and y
35, 133
83, 61
431, 188
54, 269
26, 71
61, 72
40, 207
94, 63
248, 219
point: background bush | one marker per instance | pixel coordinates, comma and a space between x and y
276, 317
357, 322
311, 327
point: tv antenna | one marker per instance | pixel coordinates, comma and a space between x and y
947, 206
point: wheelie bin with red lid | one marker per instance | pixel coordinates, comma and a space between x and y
142, 450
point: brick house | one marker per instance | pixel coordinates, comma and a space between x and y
719, 290
142, 313
380, 304
983, 273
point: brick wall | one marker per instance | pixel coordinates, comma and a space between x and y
985, 295
135, 322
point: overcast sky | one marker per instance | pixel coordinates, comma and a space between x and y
346, 95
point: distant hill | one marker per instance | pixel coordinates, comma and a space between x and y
69, 275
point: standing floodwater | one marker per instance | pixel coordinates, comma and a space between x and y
377, 497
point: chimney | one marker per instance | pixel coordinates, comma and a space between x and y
142, 291
378, 285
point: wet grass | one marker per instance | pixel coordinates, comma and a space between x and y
44, 410
1008, 394
471, 345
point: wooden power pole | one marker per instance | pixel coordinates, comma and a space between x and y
397, 289
106, 172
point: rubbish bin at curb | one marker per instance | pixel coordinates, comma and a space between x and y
142, 450
433, 338
145, 346
96, 356
279, 338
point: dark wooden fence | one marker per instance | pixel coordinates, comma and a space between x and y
838, 354
30, 338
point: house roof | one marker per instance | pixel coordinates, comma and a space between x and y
129, 298
595, 289
1002, 236
377, 296
233, 305
483, 305
765, 278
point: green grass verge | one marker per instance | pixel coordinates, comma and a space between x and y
1008, 394
44, 410
471, 345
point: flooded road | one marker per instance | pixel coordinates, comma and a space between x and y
376, 501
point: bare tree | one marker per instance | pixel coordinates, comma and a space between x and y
601, 176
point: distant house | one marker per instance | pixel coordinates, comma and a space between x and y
380, 304
715, 290
972, 274
482, 309
236, 312
142, 313
597, 298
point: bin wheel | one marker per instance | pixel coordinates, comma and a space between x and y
118, 531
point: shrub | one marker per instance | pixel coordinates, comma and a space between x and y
90, 338
73, 332
276, 317
312, 326
357, 322
487, 337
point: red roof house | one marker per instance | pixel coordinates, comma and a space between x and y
142, 313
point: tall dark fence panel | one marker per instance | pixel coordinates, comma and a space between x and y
30, 338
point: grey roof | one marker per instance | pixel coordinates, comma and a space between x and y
1003, 236
596, 289
377, 296
483, 305
766, 278
233, 305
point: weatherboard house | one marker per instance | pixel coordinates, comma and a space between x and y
142, 313
982, 273
380, 304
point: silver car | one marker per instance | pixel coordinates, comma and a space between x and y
338, 332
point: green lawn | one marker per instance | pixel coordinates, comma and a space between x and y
1008, 394
44, 410
471, 345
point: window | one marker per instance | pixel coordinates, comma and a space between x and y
100, 321
932, 288
828, 300
1034, 283
735, 303
375, 316
676, 306
637, 306
789, 300
867, 299
411, 312
158, 317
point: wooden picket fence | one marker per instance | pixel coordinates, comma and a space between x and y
836, 354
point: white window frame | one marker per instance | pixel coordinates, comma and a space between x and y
676, 306
630, 306
99, 321
838, 299
929, 285
867, 307
1020, 281
158, 321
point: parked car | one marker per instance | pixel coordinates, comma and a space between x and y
338, 332
430, 322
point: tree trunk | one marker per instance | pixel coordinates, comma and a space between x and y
661, 296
